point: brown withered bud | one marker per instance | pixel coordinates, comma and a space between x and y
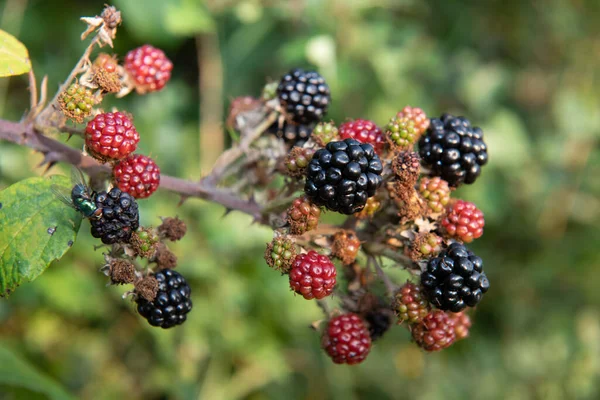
121, 271
147, 287
111, 17
172, 228
164, 257
345, 246
407, 166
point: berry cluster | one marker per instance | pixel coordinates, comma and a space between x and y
162, 295
412, 216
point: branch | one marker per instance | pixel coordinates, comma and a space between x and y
55, 151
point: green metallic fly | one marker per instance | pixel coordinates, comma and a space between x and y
79, 197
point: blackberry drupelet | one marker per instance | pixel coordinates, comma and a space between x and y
453, 149
172, 302
455, 279
119, 218
343, 175
294, 134
304, 95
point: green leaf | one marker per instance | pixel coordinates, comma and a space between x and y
14, 57
17, 372
35, 229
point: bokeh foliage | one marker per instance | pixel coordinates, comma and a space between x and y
525, 71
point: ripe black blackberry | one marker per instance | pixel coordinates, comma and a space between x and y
120, 217
172, 301
378, 323
304, 95
343, 175
294, 134
455, 279
453, 149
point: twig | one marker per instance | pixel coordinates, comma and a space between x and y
389, 285
33, 95
55, 151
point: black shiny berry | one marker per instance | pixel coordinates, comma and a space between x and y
343, 175
455, 279
119, 218
291, 133
304, 95
378, 323
453, 149
172, 301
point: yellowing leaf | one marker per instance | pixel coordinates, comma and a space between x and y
14, 57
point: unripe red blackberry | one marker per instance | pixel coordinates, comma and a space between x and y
111, 136
463, 221
402, 133
297, 160
324, 133
435, 331
149, 68
137, 175
417, 116
76, 102
436, 193
346, 339
462, 324
345, 246
410, 304
280, 253
372, 206
303, 216
312, 275
364, 131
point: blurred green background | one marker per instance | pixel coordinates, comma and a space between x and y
526, 71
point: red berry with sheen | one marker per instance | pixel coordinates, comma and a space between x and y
312, 275
149, 67
463, 221
364, 131
346, 339
137, 175
111, 136
435, 332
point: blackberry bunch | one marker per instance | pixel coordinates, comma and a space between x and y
304, 95
453, 149
119, 218
172, 301
294, 134
455, 279
343, 175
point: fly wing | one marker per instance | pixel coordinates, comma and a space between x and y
77, 177
63, 194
